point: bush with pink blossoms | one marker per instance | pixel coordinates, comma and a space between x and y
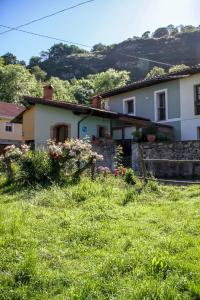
105, 171
61, 160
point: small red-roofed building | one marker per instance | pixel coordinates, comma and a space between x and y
10, 133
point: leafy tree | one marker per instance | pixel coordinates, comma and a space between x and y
34, 61
155, 72
40, 75
58, 51
146, 35
160, 32
15, 82
178, 68
188, 28
82, 90
172, 30
99, 47
2, 62
10, 59
62, 89
109, 80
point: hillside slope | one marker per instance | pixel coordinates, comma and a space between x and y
184, 48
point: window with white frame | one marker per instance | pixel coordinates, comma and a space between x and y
161, 105
8, 127
129, 106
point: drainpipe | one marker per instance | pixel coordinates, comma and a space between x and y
81, 120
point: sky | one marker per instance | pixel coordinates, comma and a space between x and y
101, 21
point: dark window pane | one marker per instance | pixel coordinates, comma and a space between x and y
61, 133
130, 107
198, 93
8, 127
102, 132
161, 107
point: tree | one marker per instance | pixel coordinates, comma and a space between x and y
188, 28
83, 90
99, 47
155, 72
2, 62
40, 75
34, 61
146, 35
62, 89
178, 68
15, 82
172, 30
10, 59
109, 80
160, 32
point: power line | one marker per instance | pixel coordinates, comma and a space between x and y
146, 59
47, 16
79, 44
45, 36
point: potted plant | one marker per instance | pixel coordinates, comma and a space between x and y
151, 132
137, 135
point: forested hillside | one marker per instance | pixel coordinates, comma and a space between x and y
164, 45
77, 75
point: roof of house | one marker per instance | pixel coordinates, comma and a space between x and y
10, 110
81, 109
149, 82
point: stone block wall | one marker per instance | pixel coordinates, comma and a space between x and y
180, 160
185, 150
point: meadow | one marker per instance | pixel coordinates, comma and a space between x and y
100, 239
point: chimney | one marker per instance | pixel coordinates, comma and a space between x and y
96, 102
48, 92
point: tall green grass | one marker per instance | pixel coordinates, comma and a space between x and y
100, 240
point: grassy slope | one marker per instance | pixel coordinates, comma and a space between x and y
101, 240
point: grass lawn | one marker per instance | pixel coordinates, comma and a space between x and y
100, 240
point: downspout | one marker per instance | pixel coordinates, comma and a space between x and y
81, 120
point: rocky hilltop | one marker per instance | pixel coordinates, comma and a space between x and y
183, 48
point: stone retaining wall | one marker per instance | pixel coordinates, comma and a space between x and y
186, 150
170, 160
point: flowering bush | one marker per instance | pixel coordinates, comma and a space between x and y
12, 152
103, 170
70, 158
73, 149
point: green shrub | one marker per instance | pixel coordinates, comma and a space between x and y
130, 177
36, 168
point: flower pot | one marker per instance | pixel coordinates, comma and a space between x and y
151, 137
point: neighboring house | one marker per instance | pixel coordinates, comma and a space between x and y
170, 100
10, 133
45, 119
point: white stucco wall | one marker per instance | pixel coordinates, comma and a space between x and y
47, 116
189, 121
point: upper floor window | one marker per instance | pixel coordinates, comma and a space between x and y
197, 99
129, 106
8, 127
161, 105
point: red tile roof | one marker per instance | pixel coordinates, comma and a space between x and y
10, 110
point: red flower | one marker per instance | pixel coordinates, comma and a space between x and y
116, 172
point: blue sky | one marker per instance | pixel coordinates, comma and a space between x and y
105, 21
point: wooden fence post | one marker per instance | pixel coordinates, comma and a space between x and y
142, 163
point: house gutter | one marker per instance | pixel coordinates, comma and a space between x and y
81, 120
